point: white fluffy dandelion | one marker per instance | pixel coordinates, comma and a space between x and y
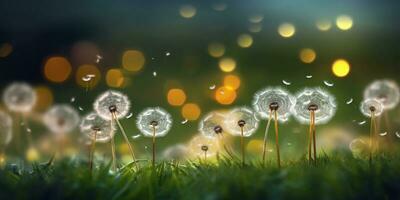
19, 97
212, 124
96, 128
386, 91
371, 107
61, 119
203, 147
112, 103
5, 130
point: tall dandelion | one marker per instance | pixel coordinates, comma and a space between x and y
273, 103
96, 129
241, 122
372, 108
113, 106
314, 106
154, 122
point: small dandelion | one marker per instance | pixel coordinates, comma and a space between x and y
385, 91
61, 119
19, 97
154, 122
358, 147
274, 103
203, 146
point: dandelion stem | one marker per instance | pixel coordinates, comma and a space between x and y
277, 139
91, 155
154, 147
114, 164
242, 145
314, 141
310, 139
372, 133
266, 137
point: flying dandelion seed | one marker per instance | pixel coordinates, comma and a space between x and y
362, 123
203, 147
72, 100
5, 130
383, 134
129, 116
112, 102
386, 91
348, 102
80, 108
309, 76
212, 87
154, 122
167, 53
136, 136
397, 134
329, 84
314, 106
175, 152
184, 121
274, 103
98, 58
19, 97
61, 119
211, 124
154, 73
286, 82
96, 128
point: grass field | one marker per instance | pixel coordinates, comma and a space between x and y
332, 177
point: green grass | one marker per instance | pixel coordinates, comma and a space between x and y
332, 178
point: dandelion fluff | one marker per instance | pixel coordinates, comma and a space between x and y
19, 97
175, 152
315, 98
212, 124
201, 145
241, 115
61, 119
112, 102
386, 91
264, 99
154, 117
371, 105
93, 126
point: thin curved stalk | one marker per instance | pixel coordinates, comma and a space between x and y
154, 147
266, 137
314, 140
242, 146
92, 149
278, 155
371, 136
310, 139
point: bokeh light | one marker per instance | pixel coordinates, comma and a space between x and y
286, 30
176, 97
227, 64
187, 11
115, 78
191, 111
232, 81
5, 50
323, 24
344, 22
133, 60
341, 68
225, 95
57, 69
216, 50
255, 146
307, 55
245, 40
44, 98
85, 70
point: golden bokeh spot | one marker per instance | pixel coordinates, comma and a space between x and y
341, 68
323, 25
245, 40
191, 111
225, 95
307, 55
232, 82
216, 50
115, 78
32, 155
176, 97
123, 149
57, 69
344, 22
133, 60
44, 98
83, 79
286, 30
5, 50
187, 11
2, 160
227, 64
255, 146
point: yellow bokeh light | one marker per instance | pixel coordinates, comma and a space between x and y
115, 78
245, 40
57, 69
133, 60
341, 68
225, 95
32, 155
187, 11
323, 25
232, 82
191, 111
307, 55
5, 50
176, 97
255, 146
82, 74
216, 50
227, 64
286, 30
344, 22
44, 98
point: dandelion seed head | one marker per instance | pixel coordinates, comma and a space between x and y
152, 118
19, 97
61, 119
318, 100
239, 118
5, 129
386, 91
92, 124
212, 124
269, 99
175, 152
199, 143
112, 102
371, 105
